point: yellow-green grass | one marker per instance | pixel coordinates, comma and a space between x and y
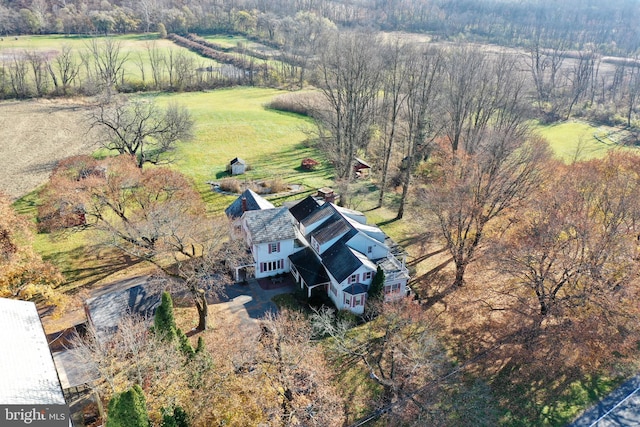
134, 45
576, 140
235, 123
228, 41
78, 255
550, 402
233, 42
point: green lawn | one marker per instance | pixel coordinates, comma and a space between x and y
234, 123
134, 45
544, 401
575, 140
229, 123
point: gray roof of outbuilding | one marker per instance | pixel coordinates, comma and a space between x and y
28, 375
254, 202
140, 297
309, 267
339, 260
304, 208
270, 225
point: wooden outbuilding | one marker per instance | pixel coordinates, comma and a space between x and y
361, 168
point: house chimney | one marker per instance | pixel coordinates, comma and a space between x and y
244, 204
326, 194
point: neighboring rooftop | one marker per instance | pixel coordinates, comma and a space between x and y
140, 297
270, 225
247, 201
27, 372
362, 163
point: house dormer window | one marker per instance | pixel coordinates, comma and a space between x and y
274, 247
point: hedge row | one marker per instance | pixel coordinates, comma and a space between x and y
215, 46
216, 55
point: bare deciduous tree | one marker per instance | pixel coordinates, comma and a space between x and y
396, 57
480, 91
153, 215
422, 87
157, 64
142, 129
349, 78
108, 60
38, 63
295, 370
545, 55
574, 248
398, 349
66, 70
18, 71
468, 191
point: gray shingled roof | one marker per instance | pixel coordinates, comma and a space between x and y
27, 372
309, 267
340, 261
254, 202
336, 226
304, 208
317, 215
356, 289
140, 298
270, 225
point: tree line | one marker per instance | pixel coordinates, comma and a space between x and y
610, 25
396, 102
449, 129
101, 65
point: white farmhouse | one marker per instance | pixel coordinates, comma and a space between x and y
271, 237
326, 247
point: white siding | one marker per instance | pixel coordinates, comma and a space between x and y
394, 290
367, 246
270, 262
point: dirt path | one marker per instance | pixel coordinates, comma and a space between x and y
34, 135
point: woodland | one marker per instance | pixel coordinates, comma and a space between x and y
525, 261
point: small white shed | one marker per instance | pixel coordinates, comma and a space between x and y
237, 166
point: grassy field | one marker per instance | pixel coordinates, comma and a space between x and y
230, 123
233, 41
133, 45
234, 123
575, 140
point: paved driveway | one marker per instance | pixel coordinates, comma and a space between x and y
620, 409
250, 302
